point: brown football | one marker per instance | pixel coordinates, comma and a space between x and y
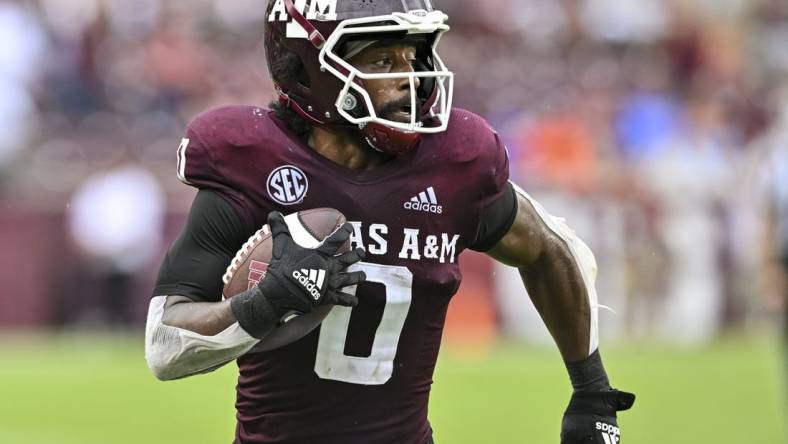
308, 229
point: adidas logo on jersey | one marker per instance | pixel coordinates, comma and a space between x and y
312, 280
426, 201
610, 433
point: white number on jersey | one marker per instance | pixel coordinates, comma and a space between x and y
332, 363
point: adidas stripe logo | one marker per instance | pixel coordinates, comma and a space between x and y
610, 433
425, 201
312, 280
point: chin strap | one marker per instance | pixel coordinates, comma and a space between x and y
390, 141
286, 102
315, 37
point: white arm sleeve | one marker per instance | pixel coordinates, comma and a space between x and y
174, 353
583, 257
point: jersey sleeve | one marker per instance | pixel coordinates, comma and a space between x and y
496, 205
208, 159
196, 261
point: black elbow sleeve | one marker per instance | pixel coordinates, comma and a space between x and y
496, 220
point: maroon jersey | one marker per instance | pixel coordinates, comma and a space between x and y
364, 376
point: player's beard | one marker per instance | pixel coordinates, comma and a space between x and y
398, 110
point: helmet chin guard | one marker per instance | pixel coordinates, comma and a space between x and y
390, 141
335, 92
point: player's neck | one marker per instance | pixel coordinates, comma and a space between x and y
345, 147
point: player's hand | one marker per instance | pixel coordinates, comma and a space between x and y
590, 417
300, 279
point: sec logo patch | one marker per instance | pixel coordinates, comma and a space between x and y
288, 185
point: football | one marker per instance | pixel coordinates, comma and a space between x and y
308, 229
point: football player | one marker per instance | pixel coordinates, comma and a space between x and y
364, 124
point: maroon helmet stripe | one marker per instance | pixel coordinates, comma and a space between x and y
315, 36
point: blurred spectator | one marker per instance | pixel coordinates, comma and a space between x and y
22, 51
630, 21
779, 223
116, 219
776, 176
691, 227
561, 152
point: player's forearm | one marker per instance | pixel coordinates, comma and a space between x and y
205, 318
558, 291
173, 352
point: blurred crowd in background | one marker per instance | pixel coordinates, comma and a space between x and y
658, 128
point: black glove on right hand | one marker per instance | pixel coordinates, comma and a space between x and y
298, 280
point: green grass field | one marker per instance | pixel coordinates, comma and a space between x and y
86, 390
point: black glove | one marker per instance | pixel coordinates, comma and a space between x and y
298, 279
591, 417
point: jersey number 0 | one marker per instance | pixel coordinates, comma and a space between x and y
332, 362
